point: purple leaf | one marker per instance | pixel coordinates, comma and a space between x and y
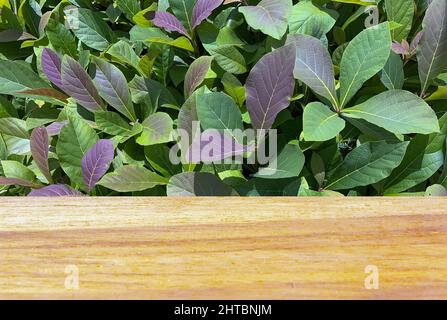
270, 86
96, 162
432, 51
39, 150
55, 128
169, 22
55, 190
196, 74
203, 9
77, 83
51, 65
415, 42
313, 66
398, 48
112, 86
213, 145
18, 182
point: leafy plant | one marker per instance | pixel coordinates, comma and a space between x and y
95, 96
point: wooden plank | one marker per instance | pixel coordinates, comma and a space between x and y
223, 248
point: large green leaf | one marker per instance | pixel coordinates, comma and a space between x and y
423, 158
269, 16
365, 56
401, 12
17, 76
90, 28
306, 18
157, 128
397, 111
75, 139
229, 59
14, 127
216, 110
132, 178
320, 123
367, 164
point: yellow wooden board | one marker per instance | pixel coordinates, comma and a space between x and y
223, 248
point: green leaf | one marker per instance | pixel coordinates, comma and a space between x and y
423, 158
182, 10
216, 110
436, 190
16, 170
129, 7
306, 18
269, 16
180, 42
14, 127
288, 163
75, 139
124, 53
397, 111
401, 12
392, 75
198, 184
157, 128
158, 157
367, 164
131, 178
320, 123
17, 76
61, 38
234, 88
229, 59
112, 123
365, 56
90, 28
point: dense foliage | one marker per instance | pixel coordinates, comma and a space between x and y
92, 91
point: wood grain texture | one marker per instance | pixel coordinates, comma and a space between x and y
223, 248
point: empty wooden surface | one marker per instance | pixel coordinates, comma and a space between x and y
222, 248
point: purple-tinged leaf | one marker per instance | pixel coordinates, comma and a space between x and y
55, 190
213, 145
415, 43
203, 9
112, 86
270, 85
432, 50
269, 16
96, 162
12, 35
51, 65
51, 94
196, 74
39, 149
55, 128
399, 48
18, 182
313, 66
77, 83
169, 22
